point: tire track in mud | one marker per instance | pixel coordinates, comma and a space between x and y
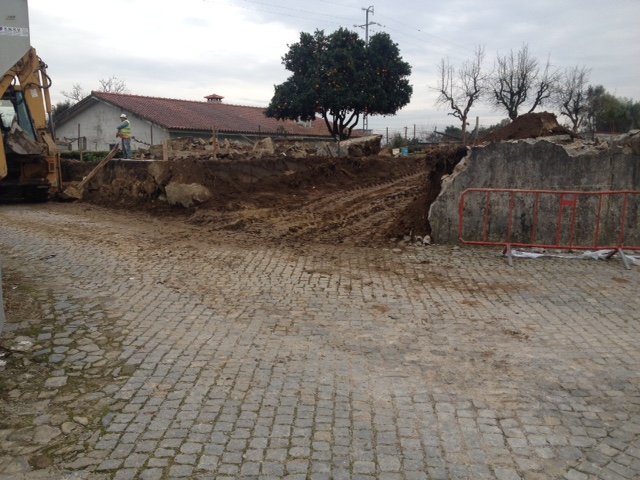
359, 215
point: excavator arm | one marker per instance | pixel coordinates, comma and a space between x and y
28, 141
29, 158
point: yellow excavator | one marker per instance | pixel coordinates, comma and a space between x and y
29, 157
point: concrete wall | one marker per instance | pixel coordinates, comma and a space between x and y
98, 124
552, 163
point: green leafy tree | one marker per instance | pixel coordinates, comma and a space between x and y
341, 78
397, 140
482, 131
608, 113
612, 115
453, 132
61, 107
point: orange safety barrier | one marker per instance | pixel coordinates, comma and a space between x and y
598, 220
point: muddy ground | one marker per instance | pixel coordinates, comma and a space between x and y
364, 201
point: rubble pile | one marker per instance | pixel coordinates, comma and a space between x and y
213, 149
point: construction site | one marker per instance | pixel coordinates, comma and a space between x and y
257, 301
291, 192
280, 309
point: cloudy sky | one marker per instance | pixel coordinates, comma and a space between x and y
192, 48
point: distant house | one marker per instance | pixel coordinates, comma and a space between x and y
93, 120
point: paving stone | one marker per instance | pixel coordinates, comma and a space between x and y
238, 359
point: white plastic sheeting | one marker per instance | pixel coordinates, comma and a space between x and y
588, 255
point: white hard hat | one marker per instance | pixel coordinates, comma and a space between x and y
123, 116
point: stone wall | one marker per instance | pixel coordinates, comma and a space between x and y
550, 163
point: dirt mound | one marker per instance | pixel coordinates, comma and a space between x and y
529, 125
355, 200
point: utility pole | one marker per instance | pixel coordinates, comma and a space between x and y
365, 120
367, 23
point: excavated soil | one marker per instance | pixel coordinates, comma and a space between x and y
529, 125
358, 201
364, 201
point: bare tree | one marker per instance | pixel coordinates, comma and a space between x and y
113, 85
519, 80
460, 89
570, 96
76, 94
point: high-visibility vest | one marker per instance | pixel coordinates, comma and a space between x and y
125, 132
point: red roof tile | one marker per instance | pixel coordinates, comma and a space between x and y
192, 115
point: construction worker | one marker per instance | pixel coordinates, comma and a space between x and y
124, 132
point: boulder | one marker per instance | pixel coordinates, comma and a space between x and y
186, 195
264, 146
160, 171
362, 146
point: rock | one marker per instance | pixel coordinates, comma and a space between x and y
186, 194
57, 420
22, 344
264, 146
84, 421
24, 435
633, 143
326, 150
45, 433
55, 382
42, 419
17, 466
82, 463
161, 172
68, 427
108, 418
362, 146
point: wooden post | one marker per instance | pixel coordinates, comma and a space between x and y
216, 143
165, 150
76, 192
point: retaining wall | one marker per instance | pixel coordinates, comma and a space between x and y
551, 163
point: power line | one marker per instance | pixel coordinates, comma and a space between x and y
340, 21
280, 13
425, 33
341, 5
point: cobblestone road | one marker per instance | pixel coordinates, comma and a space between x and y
239, 360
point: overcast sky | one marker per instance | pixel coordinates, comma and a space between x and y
192, 48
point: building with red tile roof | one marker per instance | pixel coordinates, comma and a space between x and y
153, 119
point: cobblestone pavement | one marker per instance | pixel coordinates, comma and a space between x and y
233, 359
